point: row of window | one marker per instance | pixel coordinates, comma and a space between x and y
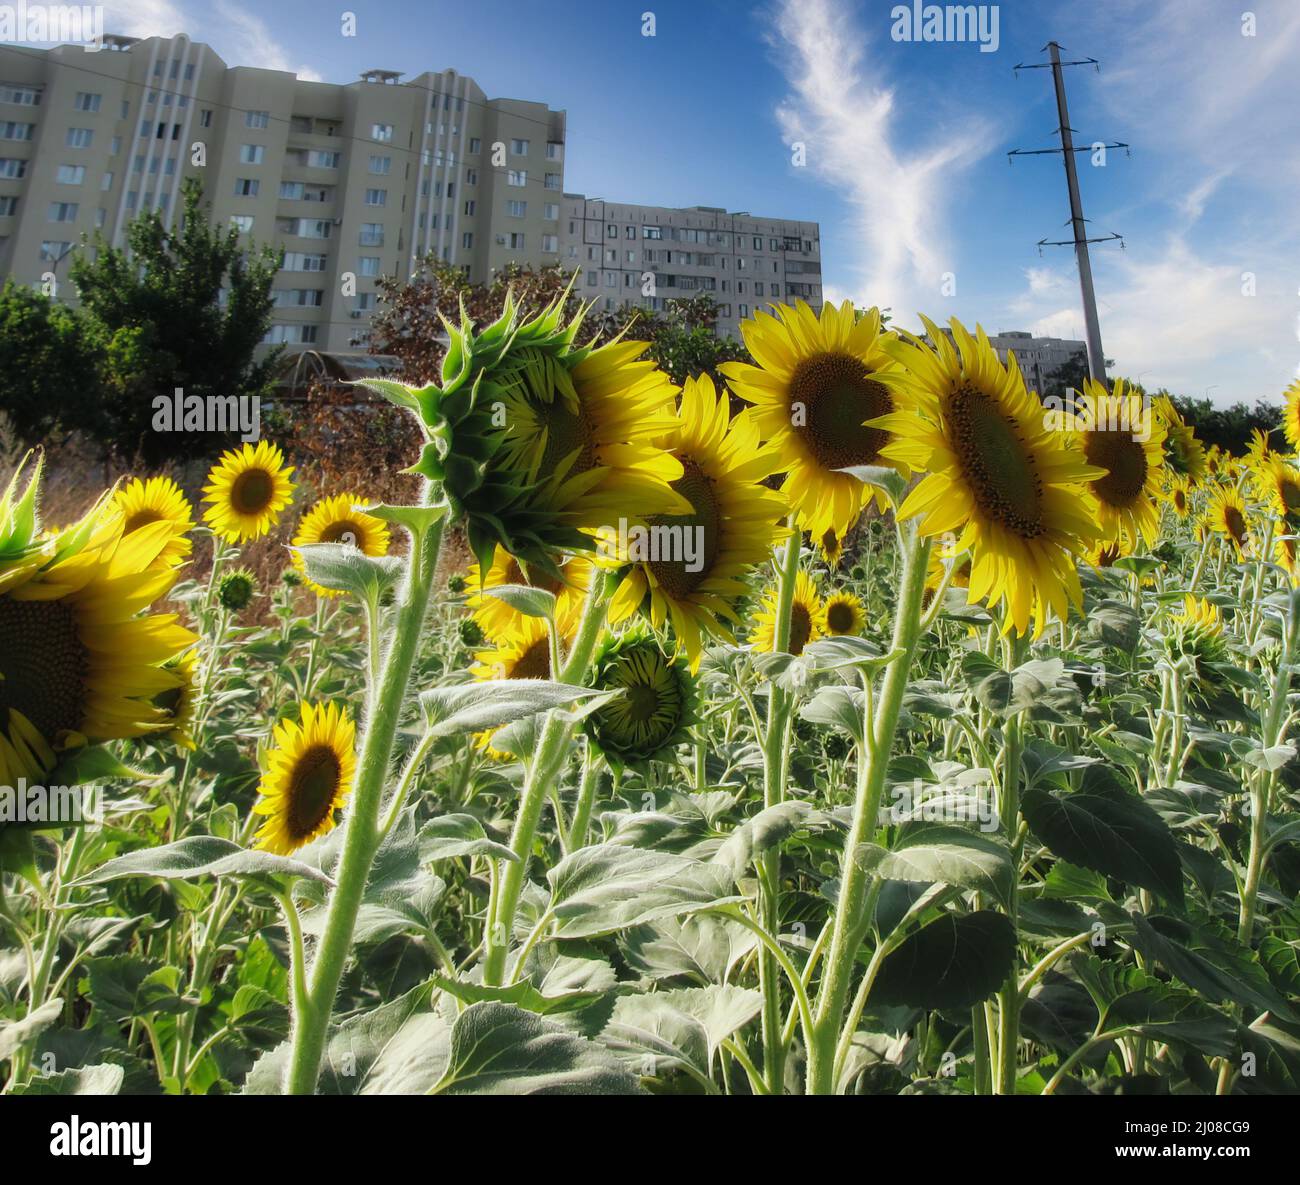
684, 234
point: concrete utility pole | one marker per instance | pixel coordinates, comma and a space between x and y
1096, 356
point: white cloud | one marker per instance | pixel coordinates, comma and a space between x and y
250, 43
145, 18
847, 117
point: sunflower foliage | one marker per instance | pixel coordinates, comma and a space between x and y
974, 775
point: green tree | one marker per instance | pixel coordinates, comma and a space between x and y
183, 307
50, 365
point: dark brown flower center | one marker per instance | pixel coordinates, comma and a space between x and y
313, 785
839, 617
995, 462
1236, 524
344, 531
800, 627
1126, 460
43, 666
830, 397
252, 491
534, 662
141, 518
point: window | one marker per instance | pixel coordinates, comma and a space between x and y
22, 96
63, 211
205, 118
368, 265
291, 334
247, 186
519, 147
71, 174
257, 119
380, 165
652, 232
516, 177
517, 209
242, 222
551, 243
376, 197
365, 301
299, 297
744, 310
610, 280
298, 261
553, 181
471, 176
79, 137
516, 242
611, 256
554, 149
631, 257
382, 132
85, 101
291, 191
300, 123
252, 154
305, 228
591, 279
469, 208
467, 240
15, 131
8, 206
52, 251
372, 234
105, 182
611, 231
551, 212
115, 146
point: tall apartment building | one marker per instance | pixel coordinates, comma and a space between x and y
352, 181
1038, 357
646, 255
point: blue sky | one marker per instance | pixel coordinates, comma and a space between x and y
906, 143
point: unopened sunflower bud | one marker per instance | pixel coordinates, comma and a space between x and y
236, 589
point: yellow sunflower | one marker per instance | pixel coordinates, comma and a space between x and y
246, 490
1184, 454
158, 499
1225, 514
807, 618
693, 566
817, 383
996, 473
1179, 494
495, 617
521, 651
1277, 483
80, 657
308, 778
1287, 555
336, 520
1258, 450
831, 546
179, 702
844, 613
582, 435
1291, 415
1117, 432
1197, 632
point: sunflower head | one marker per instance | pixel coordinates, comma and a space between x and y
690, 569
844, 613
308, 777
337, 520
1184, 454
1277, 482
180, 701
1225, 514
1118, 433
1179, 494
81, 657
1196, 632
522, 650
831, 546
658, 705
569, 583
807, 618
1009, 486
246, 491
157, 499
822, 383
1291, 416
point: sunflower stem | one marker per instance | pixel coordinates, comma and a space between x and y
852, 917
552, 749
586, 798
775, 766
1013, 744
362, 836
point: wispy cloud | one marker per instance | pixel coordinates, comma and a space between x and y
847, 117
252, 44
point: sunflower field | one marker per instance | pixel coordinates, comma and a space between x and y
858, 724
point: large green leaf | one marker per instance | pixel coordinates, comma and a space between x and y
930, 852
604, 888
459, 835
97, 1080
703, 947
953, 962
474, 707
767, 829
1110, 831
15, 1034
497, 1049
344, 568
201, 855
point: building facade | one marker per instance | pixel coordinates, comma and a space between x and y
1038, 357
647, 255
352, 181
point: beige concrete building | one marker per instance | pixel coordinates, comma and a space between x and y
647, 255
352, 181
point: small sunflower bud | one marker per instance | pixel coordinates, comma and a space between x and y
235, 589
